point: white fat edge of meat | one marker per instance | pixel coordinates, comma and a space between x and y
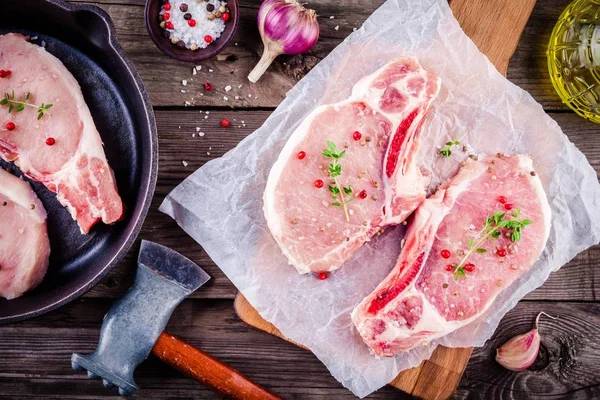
363, 91
20, 192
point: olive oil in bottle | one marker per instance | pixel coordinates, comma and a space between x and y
574, 58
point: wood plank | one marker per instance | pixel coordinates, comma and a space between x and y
36, 353
577, 281
485, 22
568, 365
35, 360
527, 67
163, 75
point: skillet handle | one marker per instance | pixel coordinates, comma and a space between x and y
205, 369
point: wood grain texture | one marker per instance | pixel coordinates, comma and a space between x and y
161, 74
35, 355
207, 370
494, 26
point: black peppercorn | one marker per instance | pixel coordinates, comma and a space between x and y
187, 16
210, 7
181, 44
183, 7
166, 34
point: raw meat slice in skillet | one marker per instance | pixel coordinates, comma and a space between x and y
24, 244
75, 166
378, 127
421, 300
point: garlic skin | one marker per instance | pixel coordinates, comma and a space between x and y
285, 27
519, 352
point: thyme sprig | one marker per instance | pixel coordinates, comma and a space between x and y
18, 106
338, 191
492, 228
446, 151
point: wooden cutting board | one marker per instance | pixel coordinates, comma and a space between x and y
495, 27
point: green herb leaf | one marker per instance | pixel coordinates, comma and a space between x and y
459, 271
526, 222
333, 189
4, 102
28, 95
480, 250
336, 204
348, 190
517, 212
20, 107
496, 234
471, 242
331, 146
10, 108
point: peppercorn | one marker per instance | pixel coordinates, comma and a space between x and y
167, 6
181, 44
4, 73
166, 34
225, 17
193, 46
183, 7
218, 14
187, 16
210, 7
222, 9
50, 141
10, 126
211, 17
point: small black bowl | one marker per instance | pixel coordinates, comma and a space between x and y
164, 44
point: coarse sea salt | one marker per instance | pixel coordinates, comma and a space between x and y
194, 36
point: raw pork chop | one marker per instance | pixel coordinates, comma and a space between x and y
426, 296
74, 166
378, 128
24, 245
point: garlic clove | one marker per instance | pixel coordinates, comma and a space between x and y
519, 352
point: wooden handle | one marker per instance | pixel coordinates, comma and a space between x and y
205, 369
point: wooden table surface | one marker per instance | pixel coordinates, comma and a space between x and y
35, 354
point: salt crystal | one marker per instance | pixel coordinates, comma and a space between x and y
237, 97
242, 121
240, 86
185, 164
193, 135
225, 98
337, 27
201, 134
206, 117
227, 88
210, 70
183, 91
199, 67
208, 153
184, 82
210, 148
236, 43
194, 72
207, 112
197, 129
187, 103
249, 95
354, 29
332, 17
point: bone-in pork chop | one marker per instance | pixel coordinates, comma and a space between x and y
62, 149
322, 206
469, 241
24, 245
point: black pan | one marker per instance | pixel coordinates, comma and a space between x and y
84, 39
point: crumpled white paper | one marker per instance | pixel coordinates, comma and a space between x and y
220, 205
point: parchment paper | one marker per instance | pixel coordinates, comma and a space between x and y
220, 205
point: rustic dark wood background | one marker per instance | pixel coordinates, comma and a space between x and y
35, 354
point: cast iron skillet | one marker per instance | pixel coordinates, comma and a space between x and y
84, 39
